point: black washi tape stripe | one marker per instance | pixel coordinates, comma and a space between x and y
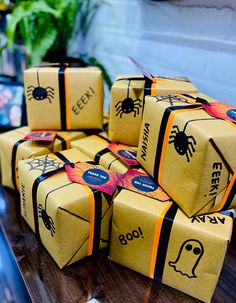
13, 161
63, 141
62, 96
97, 219
101, 153
62, 157
164, 240
160, 140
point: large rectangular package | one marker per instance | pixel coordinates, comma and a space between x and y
71, 220
189, 153
96, 147
13, 148
64, 98
127, 103
158, 240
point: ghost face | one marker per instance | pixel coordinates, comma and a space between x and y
190, 253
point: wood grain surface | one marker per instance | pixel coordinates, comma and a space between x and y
92, 279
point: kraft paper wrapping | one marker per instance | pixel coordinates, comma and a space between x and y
13, 148
71, 220
96, 148
64, 98
189, 153
127, 102
158, 240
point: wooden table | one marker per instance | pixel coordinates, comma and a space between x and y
89, 280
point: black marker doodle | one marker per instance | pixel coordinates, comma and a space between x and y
47, 220
44, 164
171, 99
40, 93
189, 256
128, 105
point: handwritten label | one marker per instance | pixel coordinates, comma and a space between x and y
94, 176
143, 184
135, 234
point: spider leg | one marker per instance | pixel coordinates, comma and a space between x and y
190, 144
49, 99
174, 132
31, 86
49, 88
172, 141
119, 110
137, 102
191, 138
176, 127
136, 111
187, 156
120, 102
31, 98
51, 96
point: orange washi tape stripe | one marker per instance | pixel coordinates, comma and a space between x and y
156, 239
92, 220
67, 140
227, 192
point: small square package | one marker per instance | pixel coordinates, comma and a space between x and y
64, 98
71, 220
13, 147
189, 153
127, 103
158, 240
96, 147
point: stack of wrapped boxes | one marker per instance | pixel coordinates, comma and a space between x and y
177, 235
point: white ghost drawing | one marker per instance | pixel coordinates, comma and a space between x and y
190, 253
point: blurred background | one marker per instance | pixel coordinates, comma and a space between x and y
193, 38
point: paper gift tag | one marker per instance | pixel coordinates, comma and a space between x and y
41, 135
143, 184
94, 176
125, 153
221, 110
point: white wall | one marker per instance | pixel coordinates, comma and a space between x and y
195, 38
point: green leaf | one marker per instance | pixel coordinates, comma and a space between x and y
24, 10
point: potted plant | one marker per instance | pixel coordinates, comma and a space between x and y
45, 27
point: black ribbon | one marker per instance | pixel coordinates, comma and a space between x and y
101, 153
163, 242
62, 96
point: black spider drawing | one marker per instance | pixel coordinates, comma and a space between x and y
171, 99
47, 220
44, 164
128, 105
40, 93
184, 145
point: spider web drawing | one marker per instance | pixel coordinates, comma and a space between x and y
44, 164
171, 99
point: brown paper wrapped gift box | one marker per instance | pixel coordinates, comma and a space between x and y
71, 220
13, 148
96, 148
158, 240
189, 153
64, 98
127, 102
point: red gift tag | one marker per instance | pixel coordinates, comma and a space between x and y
221, 110
94, 176
143, 184
125, 153
40, 135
